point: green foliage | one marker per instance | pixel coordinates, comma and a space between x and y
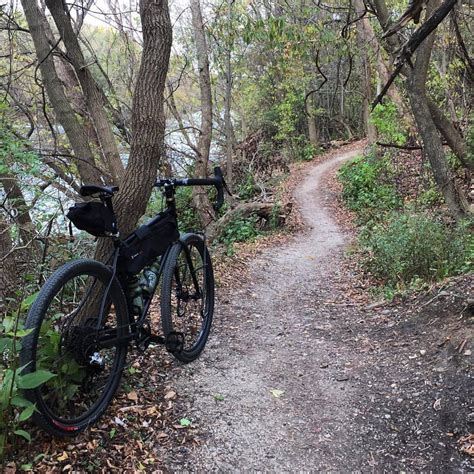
388, 124
308, 152
407, 248
367, 189
188, 217
401, 246
247, 189
239, 230
14, 408
15, 158
429, 198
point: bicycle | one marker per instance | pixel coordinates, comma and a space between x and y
88, 313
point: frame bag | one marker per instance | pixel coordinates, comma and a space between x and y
149, 241
93, 217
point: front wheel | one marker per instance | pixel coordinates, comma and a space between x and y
187, 296
78, 334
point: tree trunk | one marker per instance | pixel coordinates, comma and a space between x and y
229, 129
200, 197
61, 106
228, 123
365, 29
313, 132
148, 120
8, 270
363, 39
26, 227
450, 134
92, 94
432, 145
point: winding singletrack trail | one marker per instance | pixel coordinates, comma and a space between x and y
288, 381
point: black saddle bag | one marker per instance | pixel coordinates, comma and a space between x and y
93, 217
149, 241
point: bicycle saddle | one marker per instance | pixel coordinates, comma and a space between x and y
90, 189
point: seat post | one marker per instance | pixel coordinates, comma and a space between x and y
107, 200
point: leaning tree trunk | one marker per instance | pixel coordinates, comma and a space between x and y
432, 145
453, 138
8, 270
92, 94
60, 103
200, 197
26, 228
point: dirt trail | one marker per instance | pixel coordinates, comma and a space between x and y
273, 341
290, 380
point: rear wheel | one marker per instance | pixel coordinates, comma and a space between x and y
75, 336
187, 297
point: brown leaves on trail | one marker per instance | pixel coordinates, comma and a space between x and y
466, 444
132, 396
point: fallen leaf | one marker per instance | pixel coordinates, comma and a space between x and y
169, 395
63, 456
132, 396
119, 422
277, 393
152, 410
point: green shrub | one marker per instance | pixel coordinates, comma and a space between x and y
247, 189
15, 410
387, 122
239, 230
188, 218
308, 152
367, 189
429, 198
411, 247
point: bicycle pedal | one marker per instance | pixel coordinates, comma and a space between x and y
174, 342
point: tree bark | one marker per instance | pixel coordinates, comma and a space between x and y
92, 94
61, 106
432, 145
313, 132
229, 130
148, 119
26, 227
8, 273
200, 197
363, 39
451, 135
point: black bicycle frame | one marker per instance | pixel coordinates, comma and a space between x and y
109, 338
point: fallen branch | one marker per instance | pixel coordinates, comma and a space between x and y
261, 209
400, 147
